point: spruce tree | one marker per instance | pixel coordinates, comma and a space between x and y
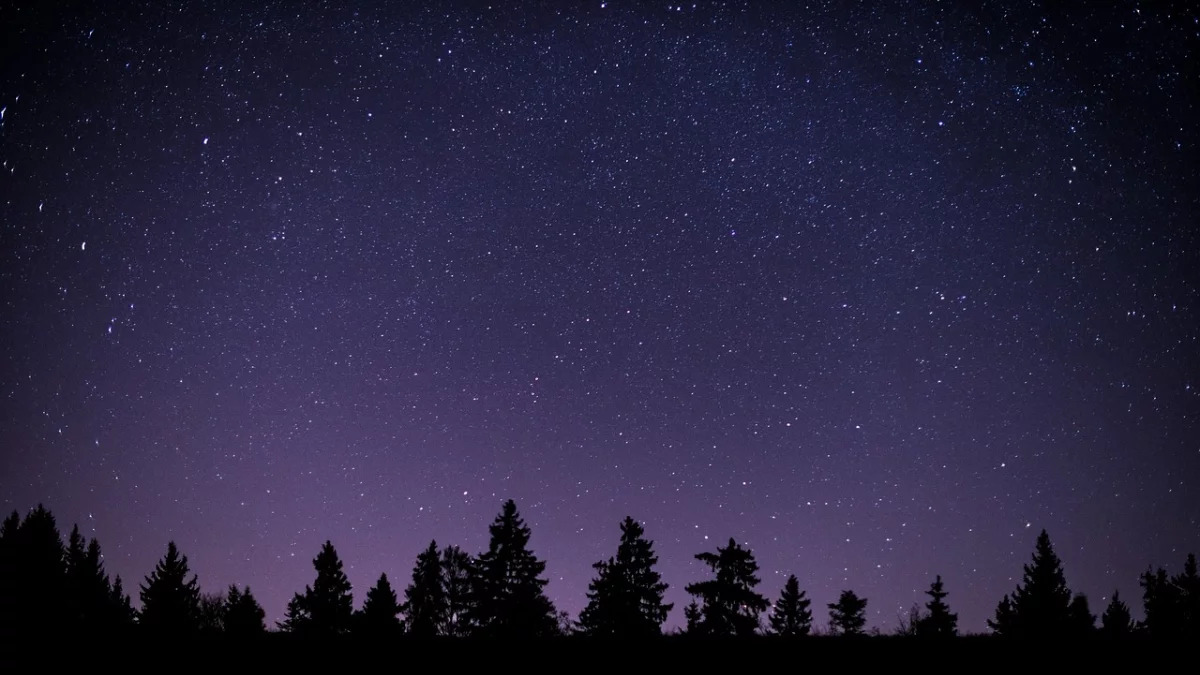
1116, 622
625, 599
425, 604
296, 619
120, 610
791, 616
326, 607
939, 621
378, 617
848, 615
244, 617
171, 601
1187, 589
38, 575
1081, 620
1041, 605
89, 592
729, 605
693, 617
458, 575
509, 598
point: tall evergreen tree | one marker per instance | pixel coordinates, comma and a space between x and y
122, 615
1082, 621
244, 617
509, 596
848, 615
1187, 586
729, 604
378, 617
791, 616
326, 607
458, 575
1041, 605
37, 572
693, 617
89, 592
171, 601
939, 621
425, 604
1116, 622
626, 597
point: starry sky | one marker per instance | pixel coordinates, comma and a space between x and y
878, 289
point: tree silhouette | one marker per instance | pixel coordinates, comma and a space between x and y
34, 574
212, 614
693, 617
378, 617
729, 605
509, 596
1082, 621
791, 616
1172, 603
121, 613
1041, 605
326, 607
1116, 622
1187, 585
938, 621
171, 601
458, 576
243, 616
848, 615
88, 590
425, 603
625, 599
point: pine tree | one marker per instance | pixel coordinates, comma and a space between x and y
729, 605
509, 598
425, 604
626, 597
170, 601
244, 617
458, 575
693, 617
1116, 622
37, 601
1041, 606
120, 609
326, 607
791, 616
939, 621
1082, 621
378, 617
1187, 588
848, 615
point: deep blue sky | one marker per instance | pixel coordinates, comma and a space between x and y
878, 291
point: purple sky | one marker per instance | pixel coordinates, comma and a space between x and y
879, 292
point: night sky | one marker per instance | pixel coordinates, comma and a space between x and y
880, 290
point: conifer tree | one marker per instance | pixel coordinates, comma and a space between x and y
509, 598
88, 590
37, 574
791, 616
939, 621
1082, 621
121, 613
729, 604
171, 601
1116, 622
1040, 606
848, 615
458, 574
378, 617
425, 604
1187, 588
626, 597
244, 617
326, 607
693, 617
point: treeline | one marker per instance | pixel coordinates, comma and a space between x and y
48, 585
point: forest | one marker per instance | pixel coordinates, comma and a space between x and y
51, 586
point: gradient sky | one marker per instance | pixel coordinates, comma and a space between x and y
880, 290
